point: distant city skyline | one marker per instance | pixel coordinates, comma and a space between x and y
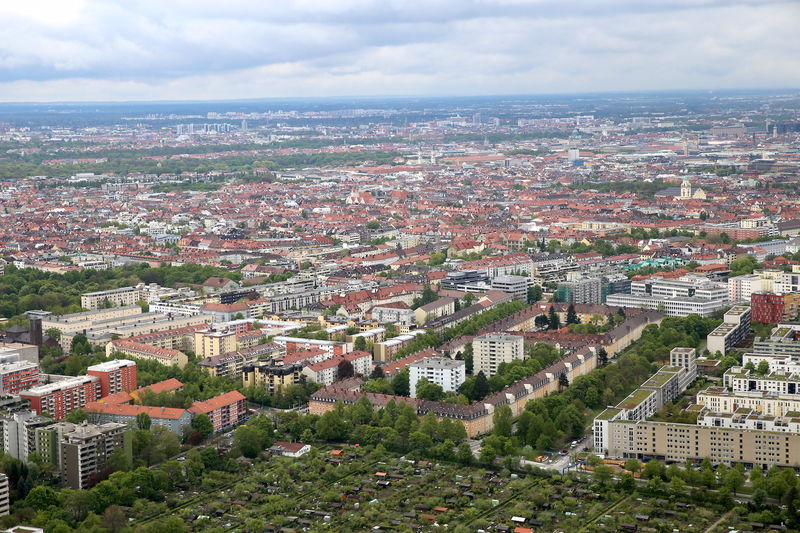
92, 50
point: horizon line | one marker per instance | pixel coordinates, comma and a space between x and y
665, 92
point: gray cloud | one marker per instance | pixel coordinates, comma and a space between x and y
116, 49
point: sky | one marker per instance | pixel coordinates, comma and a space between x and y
116, 50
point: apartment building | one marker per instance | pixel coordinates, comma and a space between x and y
397, 312
231, 364
327, 371
273, 376
516, 286
225, 410
60, 398
19, 432
371, 335
384, 351
84, 450
174, 419
722, 400
296, 344
682, 297
139, 350
662, 388
102, 326
436, 309
79, 322
174, 338
580, 289
443, 371
18, 376
767, 307
733, 330
687, 359
493, 349
741, 288
738, 378
212, 341
782, 341
115, 376
667, 441
112, 298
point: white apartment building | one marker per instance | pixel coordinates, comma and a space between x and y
19, 433
721, 400
683, 297
660, 389
443, 371
516, 286
734, 328
114, 297
738, 378
740, 288
492, 349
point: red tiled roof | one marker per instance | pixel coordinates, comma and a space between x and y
133, 410
216, 402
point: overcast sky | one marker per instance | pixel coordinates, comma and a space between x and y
54, 50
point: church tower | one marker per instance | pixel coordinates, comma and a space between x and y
686, 189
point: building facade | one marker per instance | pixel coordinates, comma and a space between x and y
443, 371
60, 398
115, 376
493, 349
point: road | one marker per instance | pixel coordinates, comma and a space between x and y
562, 461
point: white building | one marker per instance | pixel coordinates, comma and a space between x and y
516, 286
19, 433
492, 349
443, 371
682, 297
740, 288
734, 328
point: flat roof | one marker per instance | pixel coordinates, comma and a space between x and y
635, 398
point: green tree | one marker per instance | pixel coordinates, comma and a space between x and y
633, 465
75, 364
553, 322
429, 391
76, 417
203, 425
481, 386
114, 519
464, 454
41, 498
602, 474
734, 480
400, 383
653, 469
602, 356
502, 420
143, 421
248, 439
572, 316
360, 343
763, 367
534, 294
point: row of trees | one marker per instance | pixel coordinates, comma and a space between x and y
468, 327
